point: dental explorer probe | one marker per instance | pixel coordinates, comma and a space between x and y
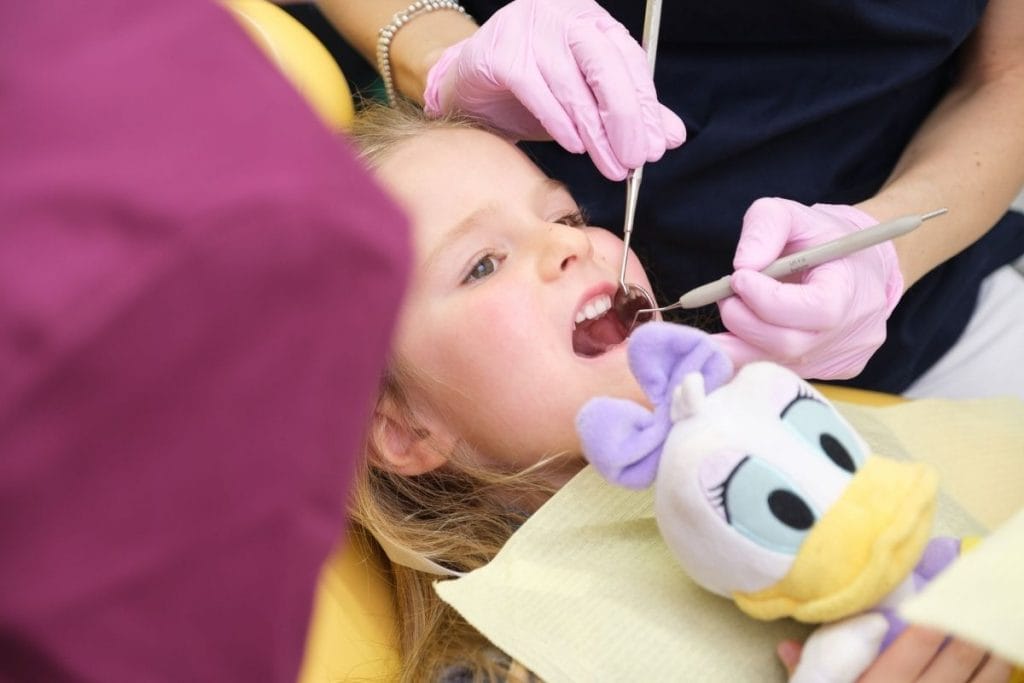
628, 295
808, 258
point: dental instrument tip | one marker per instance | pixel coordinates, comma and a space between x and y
933, 214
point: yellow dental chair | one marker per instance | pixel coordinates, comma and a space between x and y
352, 631
352, 634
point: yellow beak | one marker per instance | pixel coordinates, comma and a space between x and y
859, 550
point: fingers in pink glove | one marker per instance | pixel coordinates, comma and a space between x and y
817, 303
529, 91
780, 343
794, 349
565, 70
675, 130
767, 228
771, 328
533, 99
829, 324
644, 138
738, 351
609, 118
648, 143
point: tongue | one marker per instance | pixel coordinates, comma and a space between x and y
594, 337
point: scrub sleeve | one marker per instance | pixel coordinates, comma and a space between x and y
197, 288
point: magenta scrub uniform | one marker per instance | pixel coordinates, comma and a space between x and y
197, 288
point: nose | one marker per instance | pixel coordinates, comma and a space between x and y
560, 247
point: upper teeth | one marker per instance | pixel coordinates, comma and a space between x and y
593, 308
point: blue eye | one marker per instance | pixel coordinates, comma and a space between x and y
820, 425
483, 268
761, 503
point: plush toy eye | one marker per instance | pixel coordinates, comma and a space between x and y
820, 425
761, 503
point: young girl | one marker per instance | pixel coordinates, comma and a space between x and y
503, 337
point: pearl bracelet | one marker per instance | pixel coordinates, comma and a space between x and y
386, 34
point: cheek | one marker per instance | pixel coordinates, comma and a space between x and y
478, 349
502, 371
498, 382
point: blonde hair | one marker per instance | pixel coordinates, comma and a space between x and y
379, 129
458, 515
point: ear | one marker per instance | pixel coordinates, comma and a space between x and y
407, 444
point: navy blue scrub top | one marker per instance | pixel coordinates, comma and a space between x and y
813, 100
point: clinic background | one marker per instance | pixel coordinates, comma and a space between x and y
365, 82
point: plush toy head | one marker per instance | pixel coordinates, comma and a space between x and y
762, 490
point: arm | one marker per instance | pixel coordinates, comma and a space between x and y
535, 70
414, 49
966, 156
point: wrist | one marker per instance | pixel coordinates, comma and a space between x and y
437, 74
420, 44
914, 252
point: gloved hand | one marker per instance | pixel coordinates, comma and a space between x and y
829, 323
559, 69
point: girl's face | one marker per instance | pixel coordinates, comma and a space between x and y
504, 270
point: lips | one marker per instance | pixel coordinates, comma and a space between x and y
596, 328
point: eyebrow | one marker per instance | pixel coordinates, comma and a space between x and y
550, 185
479, 216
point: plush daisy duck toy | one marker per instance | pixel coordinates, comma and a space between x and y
767, 496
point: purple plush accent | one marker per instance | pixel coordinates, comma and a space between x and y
622, 439
661, 354
938, 555
896, 626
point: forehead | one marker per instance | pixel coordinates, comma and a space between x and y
442, 175
458, 165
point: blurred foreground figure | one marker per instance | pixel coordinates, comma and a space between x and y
197, 288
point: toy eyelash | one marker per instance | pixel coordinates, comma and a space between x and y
716, 494
802, 393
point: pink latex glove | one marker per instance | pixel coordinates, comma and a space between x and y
559, 69
829, 323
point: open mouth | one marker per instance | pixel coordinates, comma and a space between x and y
597, 328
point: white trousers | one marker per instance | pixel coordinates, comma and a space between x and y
988, 359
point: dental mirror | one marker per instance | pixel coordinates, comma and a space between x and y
633, 304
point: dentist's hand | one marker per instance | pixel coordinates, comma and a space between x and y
827, 324
563, 70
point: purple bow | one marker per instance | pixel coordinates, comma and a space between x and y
623, 439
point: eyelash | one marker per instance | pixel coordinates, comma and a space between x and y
574, 219
801, 393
